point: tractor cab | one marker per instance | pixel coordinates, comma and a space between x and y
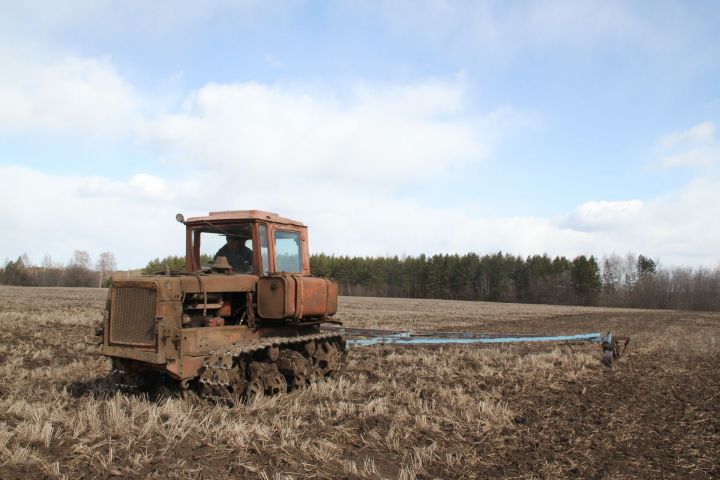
251, 241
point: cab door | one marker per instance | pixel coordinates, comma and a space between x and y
289, 250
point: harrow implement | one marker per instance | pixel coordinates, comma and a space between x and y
363, 337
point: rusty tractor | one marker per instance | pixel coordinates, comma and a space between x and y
242, 320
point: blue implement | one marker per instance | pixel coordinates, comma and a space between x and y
364, 337
407, 338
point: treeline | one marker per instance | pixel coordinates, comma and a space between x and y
174, 263
630, 281
79, 272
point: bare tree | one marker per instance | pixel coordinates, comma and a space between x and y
50, 273
81, 259
612, 277
79, 273
105, 265
629, 275
47, 261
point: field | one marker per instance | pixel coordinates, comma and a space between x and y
396, 412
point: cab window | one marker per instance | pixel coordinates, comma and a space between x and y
234, 243
263, 234
287, 251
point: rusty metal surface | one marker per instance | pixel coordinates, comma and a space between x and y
270, 366
235, 215
132, 317
317, 297
198, 351
218, 283
203, 340
149, 356
296, 296
214, 328
276, 297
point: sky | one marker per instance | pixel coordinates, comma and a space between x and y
564, 127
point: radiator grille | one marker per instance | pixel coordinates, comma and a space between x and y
132, 319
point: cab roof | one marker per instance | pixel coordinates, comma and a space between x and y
230, 215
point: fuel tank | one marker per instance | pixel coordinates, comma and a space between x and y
293, 296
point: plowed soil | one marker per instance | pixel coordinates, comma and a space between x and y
539, 411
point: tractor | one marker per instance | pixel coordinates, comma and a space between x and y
242, 320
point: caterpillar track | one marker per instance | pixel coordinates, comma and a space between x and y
270, 367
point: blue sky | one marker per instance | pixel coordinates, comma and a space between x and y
566, 127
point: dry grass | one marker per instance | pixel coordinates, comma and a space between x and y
450, 412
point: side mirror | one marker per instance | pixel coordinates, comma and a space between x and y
180, 218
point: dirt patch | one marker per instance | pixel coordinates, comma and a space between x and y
639, 420
526, 411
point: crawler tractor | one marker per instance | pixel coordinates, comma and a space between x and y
242, 320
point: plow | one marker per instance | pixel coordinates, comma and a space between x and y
613, 347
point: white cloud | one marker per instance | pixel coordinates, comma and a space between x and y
57, 214
603, 215
702, 132
273, 61
485, 23
140, 187
508, 27
332, 160
697, 157
695, 147
135, 219
65, 95
377, 134
47, 17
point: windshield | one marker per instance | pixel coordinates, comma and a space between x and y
233, 243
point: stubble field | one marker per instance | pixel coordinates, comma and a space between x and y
396, 412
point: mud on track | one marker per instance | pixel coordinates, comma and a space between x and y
398, 412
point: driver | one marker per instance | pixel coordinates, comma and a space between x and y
238, 255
